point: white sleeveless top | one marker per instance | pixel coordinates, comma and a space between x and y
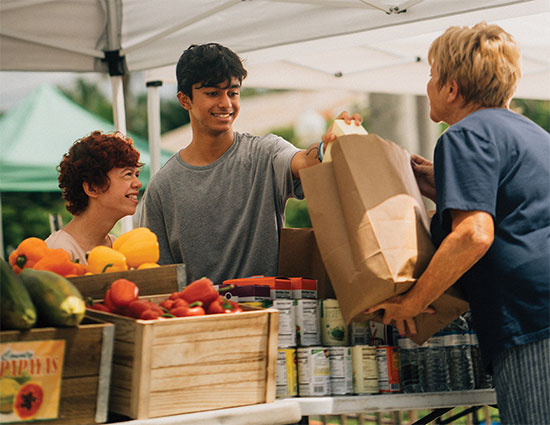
62, 239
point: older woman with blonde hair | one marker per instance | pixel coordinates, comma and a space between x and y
98, 179
490, 180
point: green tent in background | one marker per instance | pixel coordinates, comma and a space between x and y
36, 133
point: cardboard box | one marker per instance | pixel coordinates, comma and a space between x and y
303, 287
192, 364
86, 368
300, 256
248, 293
280, 287
158, 280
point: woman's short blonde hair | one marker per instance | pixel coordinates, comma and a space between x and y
484, 61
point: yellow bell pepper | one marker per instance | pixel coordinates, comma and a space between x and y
148, 266
139, 246
103, 259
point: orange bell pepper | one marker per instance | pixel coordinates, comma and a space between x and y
58, 261
28, 253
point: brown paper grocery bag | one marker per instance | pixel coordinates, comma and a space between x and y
370, 222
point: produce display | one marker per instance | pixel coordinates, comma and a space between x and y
38, 297
139, 246
16, 307
196, 299
136, 249
57, 301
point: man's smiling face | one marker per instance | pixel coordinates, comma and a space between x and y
214, 108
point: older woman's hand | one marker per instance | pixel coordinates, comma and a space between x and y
424, 173
400, 311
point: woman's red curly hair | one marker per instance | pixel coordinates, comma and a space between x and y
89, 160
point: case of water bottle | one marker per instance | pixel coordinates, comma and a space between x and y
448, 361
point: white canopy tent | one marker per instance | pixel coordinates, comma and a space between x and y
371, 45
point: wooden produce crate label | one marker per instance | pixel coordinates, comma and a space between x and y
30, 380
86, 368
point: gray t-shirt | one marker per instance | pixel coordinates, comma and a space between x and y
223, 220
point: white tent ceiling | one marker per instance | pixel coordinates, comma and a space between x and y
63, 35
389, 53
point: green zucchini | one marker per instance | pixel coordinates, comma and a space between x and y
16, 307
58, 302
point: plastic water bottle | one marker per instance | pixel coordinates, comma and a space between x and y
408, 363
482, 378
459, 356
436, 371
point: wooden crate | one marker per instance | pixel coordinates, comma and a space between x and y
158, 280
191, 364
86, 368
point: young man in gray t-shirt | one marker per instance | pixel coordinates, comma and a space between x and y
218, 204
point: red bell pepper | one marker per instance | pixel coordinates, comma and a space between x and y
123, 292
138, 308
202, 290
215, 306
99, 307
223, 305
107, 300
180, 302
193, 309
150, 314
179, 311
167, 304
90, 303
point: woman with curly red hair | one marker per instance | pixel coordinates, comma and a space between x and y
98, 179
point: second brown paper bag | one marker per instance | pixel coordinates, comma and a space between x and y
371, 227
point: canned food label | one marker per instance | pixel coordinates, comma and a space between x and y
365, 372
313, 371
287, 323
334, 330
307, 323
341, 370
387, 359
287, 379
359, 333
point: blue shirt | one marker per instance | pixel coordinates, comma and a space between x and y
497, 161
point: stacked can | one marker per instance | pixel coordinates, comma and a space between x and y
287, 380
313, 360
359, 333
307, 322
334, 331
365, 369
287, 322
335, 336
341, 370
387, 359
313, 371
